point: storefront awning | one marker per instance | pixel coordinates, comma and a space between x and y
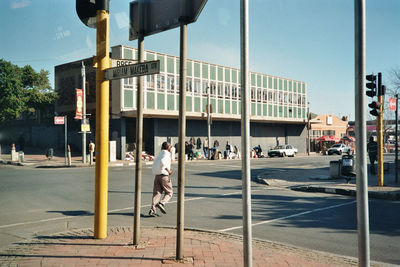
328, 138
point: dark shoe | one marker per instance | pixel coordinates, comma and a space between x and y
152, 213
161, 207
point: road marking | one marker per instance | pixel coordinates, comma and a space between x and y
110, 211
291, 216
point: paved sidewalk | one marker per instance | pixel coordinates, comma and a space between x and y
158, 248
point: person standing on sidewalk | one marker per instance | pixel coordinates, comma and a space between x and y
162, 182
372, 148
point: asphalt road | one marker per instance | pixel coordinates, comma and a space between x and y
42, 202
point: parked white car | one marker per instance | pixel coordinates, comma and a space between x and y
339, 149
283, 151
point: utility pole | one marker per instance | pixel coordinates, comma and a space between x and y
308, 128
84, 113
182, 135
245, 131
66, 139
139, 136
361, 135
396, 143
102, 122
95, 14
209, 123
380, 131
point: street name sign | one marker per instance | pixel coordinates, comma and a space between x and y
58, 120
161, 15
145, 68
119, 62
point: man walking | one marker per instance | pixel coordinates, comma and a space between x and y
162, 183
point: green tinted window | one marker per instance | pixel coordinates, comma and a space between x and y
170, 102
128, 99
189, 106
280, 84
189, 68
270, 82
220, 106
253, 108
212, 72
205, 71
227, 75
234, 107
285, 85
259, 80
264, 78
162, 60
234, 76
253, 79
150, 56
220, 74
160, 101
150, 100
197, 69
170, 65
128, 53
275, 83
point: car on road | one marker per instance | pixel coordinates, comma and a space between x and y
339, 149
283, 151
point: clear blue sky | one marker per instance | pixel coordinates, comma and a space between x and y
307, 40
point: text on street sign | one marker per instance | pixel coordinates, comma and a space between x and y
145, 68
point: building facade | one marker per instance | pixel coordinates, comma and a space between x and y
278, 105
326, 127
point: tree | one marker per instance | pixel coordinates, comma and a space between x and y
23, 91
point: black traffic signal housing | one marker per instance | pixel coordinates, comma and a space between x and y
375, 106
86, 10
371, 84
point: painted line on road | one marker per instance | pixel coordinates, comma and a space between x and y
291, 216
115, 210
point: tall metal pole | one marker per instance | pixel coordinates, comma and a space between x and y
308, 128
361, 136
380, 131
245, 131
102, 125
182, 135
139, 146
397, 134
84, 113
209, 123
66, 139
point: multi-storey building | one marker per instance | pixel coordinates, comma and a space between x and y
278, 105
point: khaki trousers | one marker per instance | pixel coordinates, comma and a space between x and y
162, 183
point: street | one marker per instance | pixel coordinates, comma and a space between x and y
42, 202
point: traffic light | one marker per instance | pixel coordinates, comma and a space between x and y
375, 105
371, 84
86, 10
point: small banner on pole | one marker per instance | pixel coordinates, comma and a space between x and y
392, 104
79, 104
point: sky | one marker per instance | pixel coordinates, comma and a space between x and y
306, 40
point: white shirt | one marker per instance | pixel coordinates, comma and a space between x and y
162, 161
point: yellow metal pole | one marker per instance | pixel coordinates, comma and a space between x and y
102, 124
380, 142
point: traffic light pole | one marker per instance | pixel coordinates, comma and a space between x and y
396, 143
380, 131
139, 147
182, 134
245, 132
361, 135
102, 125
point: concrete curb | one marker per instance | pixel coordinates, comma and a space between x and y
347, 192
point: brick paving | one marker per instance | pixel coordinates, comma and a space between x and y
157, 248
